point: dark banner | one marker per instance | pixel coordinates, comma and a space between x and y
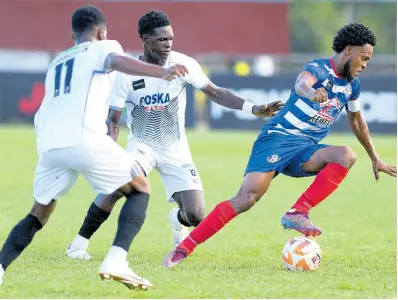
22, 93
378, 102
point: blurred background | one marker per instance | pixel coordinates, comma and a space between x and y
255, 48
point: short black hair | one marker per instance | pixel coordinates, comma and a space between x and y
85, 18
151, 20
353, 34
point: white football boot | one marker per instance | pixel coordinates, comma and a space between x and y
180, 232
78, 249
118, 270
80, 254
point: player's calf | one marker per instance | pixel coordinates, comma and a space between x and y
20, 237
22, 234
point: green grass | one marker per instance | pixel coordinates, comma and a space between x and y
241, 261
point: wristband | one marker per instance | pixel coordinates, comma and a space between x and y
248, 107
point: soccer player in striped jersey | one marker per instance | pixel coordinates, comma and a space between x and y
289, 143
157, 139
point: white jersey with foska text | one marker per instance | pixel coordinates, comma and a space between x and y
77, 88
156, 107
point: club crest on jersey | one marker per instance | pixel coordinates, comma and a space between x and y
138, 84
327, 114
273, 158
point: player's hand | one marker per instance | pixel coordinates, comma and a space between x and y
320, 95
380, 166
174, 72
267, 110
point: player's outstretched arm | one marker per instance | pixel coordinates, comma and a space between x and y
360, 128
113, 123
304, 88
133, 66
228, 99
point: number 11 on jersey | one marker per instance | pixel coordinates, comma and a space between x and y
68, 76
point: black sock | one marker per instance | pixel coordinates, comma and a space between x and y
20, 237
94, 219
131, 218
181, 219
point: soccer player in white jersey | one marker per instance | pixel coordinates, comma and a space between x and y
72, 140
156, 111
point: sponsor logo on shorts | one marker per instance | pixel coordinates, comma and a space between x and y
273, 159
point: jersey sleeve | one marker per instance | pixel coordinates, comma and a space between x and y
120, 91
196, 76
353, 104
317, 71
108, 47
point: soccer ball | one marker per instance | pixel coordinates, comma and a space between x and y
301, 254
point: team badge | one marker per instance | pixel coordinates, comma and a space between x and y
273, 159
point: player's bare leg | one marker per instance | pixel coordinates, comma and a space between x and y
332, 163
190, 212
252, 189
132, 215
23, 233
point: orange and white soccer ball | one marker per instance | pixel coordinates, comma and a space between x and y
301, 254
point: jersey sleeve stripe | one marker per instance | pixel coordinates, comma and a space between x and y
308, 73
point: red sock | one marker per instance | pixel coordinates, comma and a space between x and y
325, 183
217, 219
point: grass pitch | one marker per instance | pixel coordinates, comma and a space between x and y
241, 261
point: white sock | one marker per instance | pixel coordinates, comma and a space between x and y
79, 242
174, 215
117, 253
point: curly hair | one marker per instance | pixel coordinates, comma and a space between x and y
151, 20
353, 34
86, 17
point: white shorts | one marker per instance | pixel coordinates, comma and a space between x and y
176, 168
104, 164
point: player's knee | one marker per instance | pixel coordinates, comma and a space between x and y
194, 217
348, 157
140, 183
42, 212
